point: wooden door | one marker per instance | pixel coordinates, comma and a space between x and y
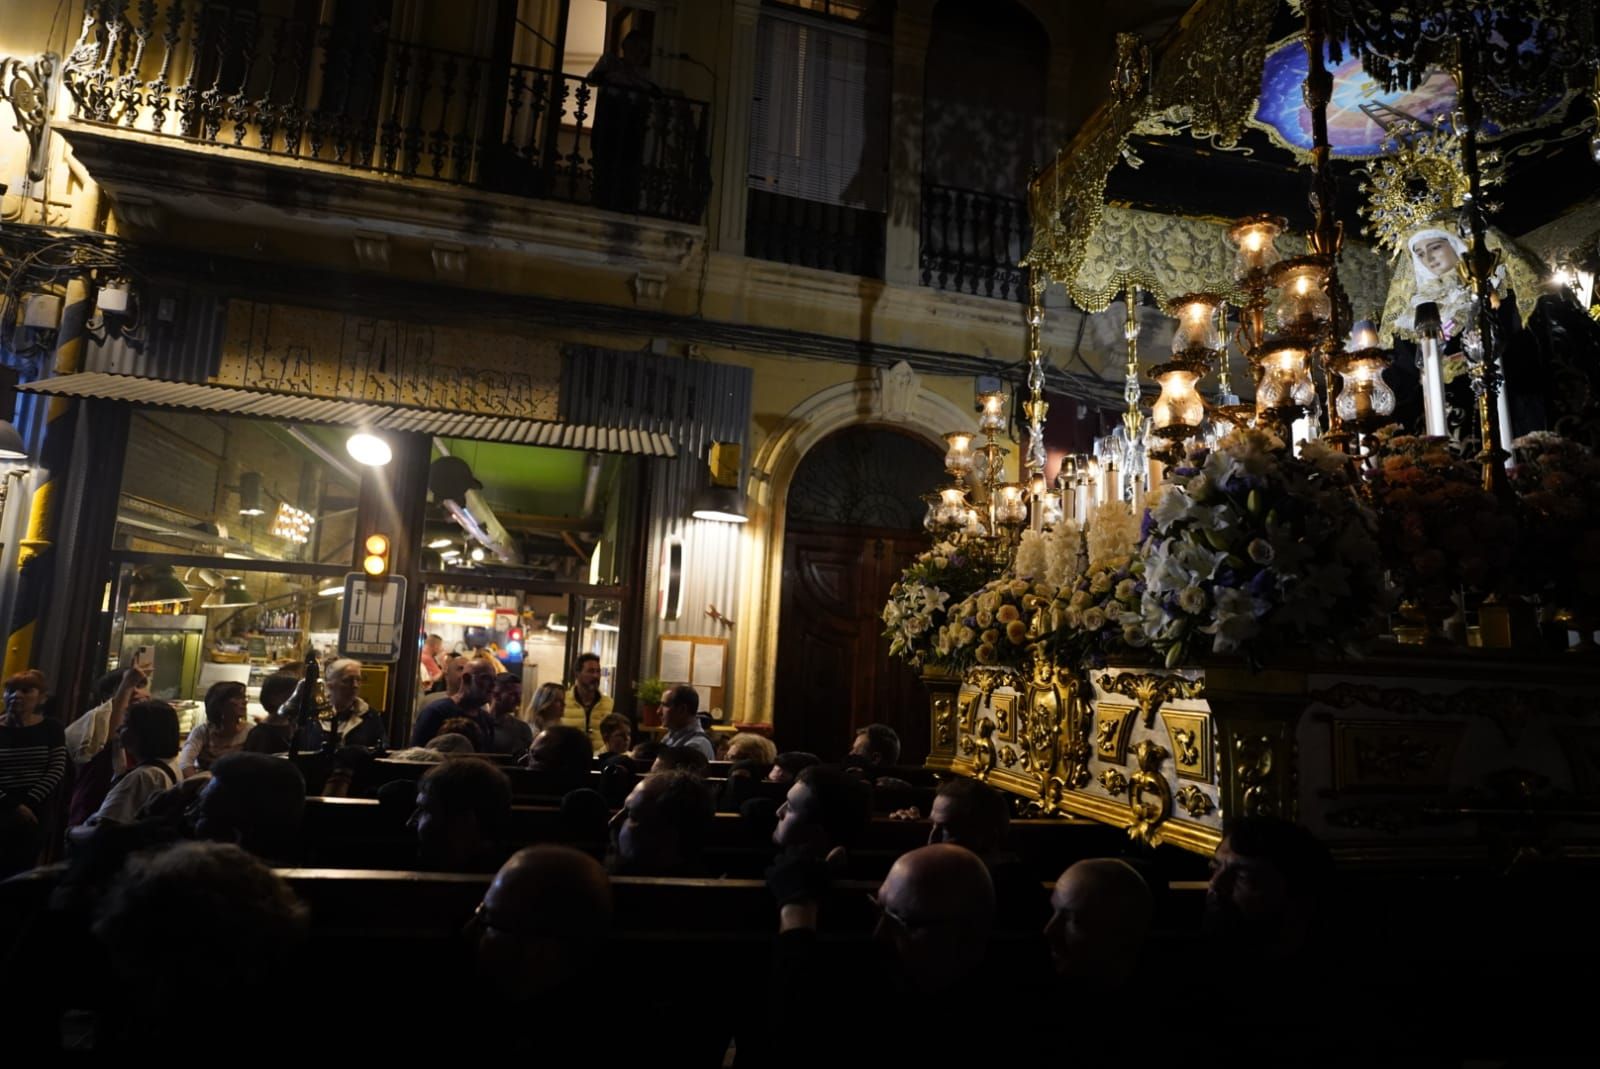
834, 671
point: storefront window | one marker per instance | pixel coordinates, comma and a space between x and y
242, 626
601, 630
525, 633
244, 489
531, 513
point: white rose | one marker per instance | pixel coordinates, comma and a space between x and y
1192, 600
1093, 619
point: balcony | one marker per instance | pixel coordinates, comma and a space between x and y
809, 233
283, 89
974, 242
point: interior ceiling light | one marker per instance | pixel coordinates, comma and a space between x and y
439, 543
368, 449
250, 494
232, 594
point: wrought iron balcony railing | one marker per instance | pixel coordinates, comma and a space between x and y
222, 75
829, 237
973, 242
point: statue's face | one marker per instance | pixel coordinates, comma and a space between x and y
1437, 255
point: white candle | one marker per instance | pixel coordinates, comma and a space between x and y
1432, 389
1503, 412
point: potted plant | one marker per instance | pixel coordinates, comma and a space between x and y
649, 692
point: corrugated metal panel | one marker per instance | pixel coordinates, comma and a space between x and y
207, 398
695, 402
183, 340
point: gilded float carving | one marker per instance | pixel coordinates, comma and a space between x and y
1149, 797
1113, 781
1111, 734
1195, 802
1191, 743
1148, 691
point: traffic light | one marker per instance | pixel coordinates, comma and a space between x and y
514, 642
376, 562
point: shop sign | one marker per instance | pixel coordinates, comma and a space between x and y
373, 625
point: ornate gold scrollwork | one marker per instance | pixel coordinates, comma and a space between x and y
1253, 774
1004, 709
1113, 781
1149, 797
1191, 744
944, 720
1008, 756
989, 680
1078, 717
1149, 691
983, 758
1194, 801
1112, 727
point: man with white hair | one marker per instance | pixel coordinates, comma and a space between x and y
352, 719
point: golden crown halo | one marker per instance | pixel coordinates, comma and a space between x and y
1422, 177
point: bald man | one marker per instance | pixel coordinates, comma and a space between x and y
541, 924
936, 910
1100, 917
935, 915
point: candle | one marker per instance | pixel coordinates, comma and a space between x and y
1426, 318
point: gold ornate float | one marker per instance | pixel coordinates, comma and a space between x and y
1410, 758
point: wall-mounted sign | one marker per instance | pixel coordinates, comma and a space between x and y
373, 624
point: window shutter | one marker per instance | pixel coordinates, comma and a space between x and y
819, 117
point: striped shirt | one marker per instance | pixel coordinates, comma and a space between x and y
32, 762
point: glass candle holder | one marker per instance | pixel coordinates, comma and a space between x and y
952, 507
992, 414
1364, 335
1302, 306
1197, 322
1179, 411
1050, 511
1011, 505
958, 453
1256, 239
1285, 378
1364, 397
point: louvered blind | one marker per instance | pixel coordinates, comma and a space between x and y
819, 119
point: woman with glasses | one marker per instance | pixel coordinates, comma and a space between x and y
33, 758
223, 731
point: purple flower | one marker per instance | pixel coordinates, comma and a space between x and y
1146, 523
1261, 583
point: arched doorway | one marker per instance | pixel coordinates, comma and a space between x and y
853, 521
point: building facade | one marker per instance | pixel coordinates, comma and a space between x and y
563, 259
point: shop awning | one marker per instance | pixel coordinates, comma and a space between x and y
295, 408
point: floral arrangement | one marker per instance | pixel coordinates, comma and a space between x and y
1096, 613
993, 627
1249, 547
1557, 483
1441, 531
1049, 555
916, 611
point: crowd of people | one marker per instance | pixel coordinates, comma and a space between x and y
172, 874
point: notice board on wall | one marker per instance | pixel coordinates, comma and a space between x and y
701, 661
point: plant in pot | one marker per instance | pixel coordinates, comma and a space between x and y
649, 692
